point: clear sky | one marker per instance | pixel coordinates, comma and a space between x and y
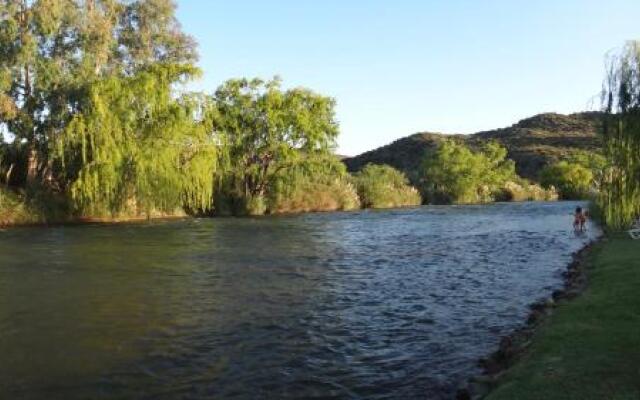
404, 66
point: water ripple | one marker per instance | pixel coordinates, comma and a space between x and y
366, 305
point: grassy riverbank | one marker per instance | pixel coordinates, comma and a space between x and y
590, 347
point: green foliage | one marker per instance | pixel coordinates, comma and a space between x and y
452, 173
577, 176
523, 190
88, 90
265, 130
573, 181
318, 183
52, 53
13, 209
38, 206
619, 199
382, 186
539, 140
136, 146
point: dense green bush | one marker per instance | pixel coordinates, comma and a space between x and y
573, 181
37, 206
382, 186
313, 184
453, 173
577, 175
13, 209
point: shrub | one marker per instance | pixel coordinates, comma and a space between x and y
572, 180
16, 209
525, 191
453, 173
315, 184
382, 186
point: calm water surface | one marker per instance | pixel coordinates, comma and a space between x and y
389, 304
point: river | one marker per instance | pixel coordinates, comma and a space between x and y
363, 305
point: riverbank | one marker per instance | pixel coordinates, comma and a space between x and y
43, 209
588, 348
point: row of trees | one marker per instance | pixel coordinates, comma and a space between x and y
91, 106
91, 103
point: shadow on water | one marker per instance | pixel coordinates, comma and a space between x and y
347, 305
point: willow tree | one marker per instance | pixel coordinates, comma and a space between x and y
36, 68
620, 195
137, 148
266, 129
53, 51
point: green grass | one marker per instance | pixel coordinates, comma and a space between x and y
590, 347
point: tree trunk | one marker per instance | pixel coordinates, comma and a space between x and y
32, 166
8, 175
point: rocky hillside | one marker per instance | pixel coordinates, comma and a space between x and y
532, 143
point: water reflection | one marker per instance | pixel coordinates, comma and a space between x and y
354, 305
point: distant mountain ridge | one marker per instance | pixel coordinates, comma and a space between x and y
532, 143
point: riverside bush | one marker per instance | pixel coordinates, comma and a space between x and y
17, 208
315, 184
453, 173
382, 186
573, 181
525, 191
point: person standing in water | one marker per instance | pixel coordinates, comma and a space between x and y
579, 219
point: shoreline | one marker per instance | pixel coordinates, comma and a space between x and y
515, 344
90, 220
93, 221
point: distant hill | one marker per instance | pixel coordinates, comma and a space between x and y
532, 143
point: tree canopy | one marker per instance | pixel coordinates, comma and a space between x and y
266, 129
453, 173
135, 143
53, 51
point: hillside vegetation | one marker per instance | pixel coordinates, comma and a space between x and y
454, 173
532, 144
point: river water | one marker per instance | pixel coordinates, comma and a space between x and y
374, 304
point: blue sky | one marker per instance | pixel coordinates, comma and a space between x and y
399, 67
